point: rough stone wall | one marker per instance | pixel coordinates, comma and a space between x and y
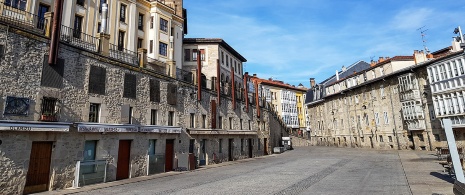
20, 76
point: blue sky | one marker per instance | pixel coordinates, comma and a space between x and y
294, 40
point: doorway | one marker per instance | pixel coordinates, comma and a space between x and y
38, 174
371, 142
122, 167
250, 148
230, 149
203, 153
265, 146
169, 155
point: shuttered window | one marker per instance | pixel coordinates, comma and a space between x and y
97, 79
130, 84
154, 90
172, 95
52, 75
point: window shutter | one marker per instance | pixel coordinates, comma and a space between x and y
97, 79
154, 90
171, 94
130, 84
52, 75
213, 114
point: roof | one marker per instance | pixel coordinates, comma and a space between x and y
355, 67
276, 84
217, 41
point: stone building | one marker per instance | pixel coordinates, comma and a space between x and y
385, 106
92, 117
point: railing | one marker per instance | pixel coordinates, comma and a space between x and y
156, 163
78, 39
90, 172
156, 66
184, 75
21, 18
120, 53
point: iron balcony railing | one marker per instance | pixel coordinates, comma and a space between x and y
17, 17
78, 39
122, 54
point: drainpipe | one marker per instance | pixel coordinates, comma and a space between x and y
199, 77
246, 91
55, 39
233, 89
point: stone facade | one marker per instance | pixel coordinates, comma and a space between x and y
21, 71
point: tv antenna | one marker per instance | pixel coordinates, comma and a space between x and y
423, 39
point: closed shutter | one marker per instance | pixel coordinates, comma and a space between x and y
154, 90
213, 112
52, 75
97, 79
172, 95
130, 85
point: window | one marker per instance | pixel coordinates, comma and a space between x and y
386, 118
99, 27
192, 120
163, 50
18, 4
194, 55
97, 79
94, 112
171, 118
139, 42
122, 13
101, 5
220, 146
153, 117
227, 61
381, 138
77, 26
90, 147
152, 146
163, 25
436, 137
151, 22
191, 146
390, 138
230, 123
80, 2
41, 16
151, 46
250, 127
420, 137
381, 88
49, 106
140, 24
121, 40
376, 119
187, 55
220, 122
258, 143
204, 121
130, 84
202, 54
130, 115
241, 123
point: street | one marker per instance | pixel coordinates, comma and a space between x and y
309, 170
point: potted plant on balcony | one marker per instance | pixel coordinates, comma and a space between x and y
48, 116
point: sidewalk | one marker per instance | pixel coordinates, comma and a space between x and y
424, 174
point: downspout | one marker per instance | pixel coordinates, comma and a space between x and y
55, 39
257, 104
233, 89
218, 87
246, 91
199, 77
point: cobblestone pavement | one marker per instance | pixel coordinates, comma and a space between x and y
306, 170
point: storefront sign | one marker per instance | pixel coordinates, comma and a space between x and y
100, 128
160, 129
33, 126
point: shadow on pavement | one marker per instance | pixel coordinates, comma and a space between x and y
442, 176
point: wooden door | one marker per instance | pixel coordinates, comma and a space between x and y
124, 153
38, 174
250, 148
265, 146
169, 155
230, 150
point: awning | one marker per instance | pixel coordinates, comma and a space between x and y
34, 126
106, 128
160, 129
220, 132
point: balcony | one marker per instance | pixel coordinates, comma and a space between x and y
77, 38
22, 19
119, 53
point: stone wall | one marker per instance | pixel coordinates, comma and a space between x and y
21, 70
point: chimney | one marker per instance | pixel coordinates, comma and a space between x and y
254, 75
380, 59
372, 63
337, 75
312, 82
419, 56
429, 56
